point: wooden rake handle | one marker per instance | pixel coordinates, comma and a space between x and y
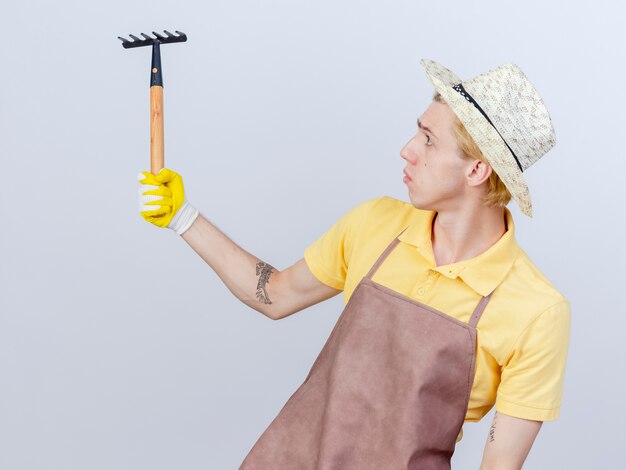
157, 151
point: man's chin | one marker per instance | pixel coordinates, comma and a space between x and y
422, 205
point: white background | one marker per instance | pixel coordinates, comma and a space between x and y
121, 349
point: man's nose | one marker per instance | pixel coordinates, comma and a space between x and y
403, 152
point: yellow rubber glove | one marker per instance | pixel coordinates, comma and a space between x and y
162, 200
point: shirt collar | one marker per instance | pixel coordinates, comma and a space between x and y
484, 272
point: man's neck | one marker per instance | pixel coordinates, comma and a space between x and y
465, 234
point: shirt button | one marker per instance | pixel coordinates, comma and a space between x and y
421, 291
431, 272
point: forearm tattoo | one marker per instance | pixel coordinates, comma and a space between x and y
492, 430
265, 271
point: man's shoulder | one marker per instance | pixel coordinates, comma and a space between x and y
529, 281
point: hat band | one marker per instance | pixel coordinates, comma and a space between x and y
469, 98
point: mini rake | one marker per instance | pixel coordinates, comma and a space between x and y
157, 157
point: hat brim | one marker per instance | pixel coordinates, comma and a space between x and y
486, 137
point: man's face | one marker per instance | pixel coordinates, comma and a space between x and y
435, 167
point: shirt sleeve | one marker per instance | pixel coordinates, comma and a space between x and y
531, 382
328, 257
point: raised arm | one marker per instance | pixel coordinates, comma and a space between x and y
275, 294
509, 442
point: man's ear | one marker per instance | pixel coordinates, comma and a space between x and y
478, 172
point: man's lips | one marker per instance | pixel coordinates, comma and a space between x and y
407, 175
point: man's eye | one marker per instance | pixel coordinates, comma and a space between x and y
428, 141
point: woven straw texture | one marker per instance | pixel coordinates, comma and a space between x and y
515, 109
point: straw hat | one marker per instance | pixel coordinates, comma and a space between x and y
505, 116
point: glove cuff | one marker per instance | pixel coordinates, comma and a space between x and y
183, 219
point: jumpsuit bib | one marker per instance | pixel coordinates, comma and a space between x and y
389, 389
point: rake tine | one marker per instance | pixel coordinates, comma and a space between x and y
146, 40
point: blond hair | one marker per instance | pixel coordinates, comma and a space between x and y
497, 193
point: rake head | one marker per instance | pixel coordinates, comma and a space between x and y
149, 40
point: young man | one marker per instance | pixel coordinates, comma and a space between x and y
445, 315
